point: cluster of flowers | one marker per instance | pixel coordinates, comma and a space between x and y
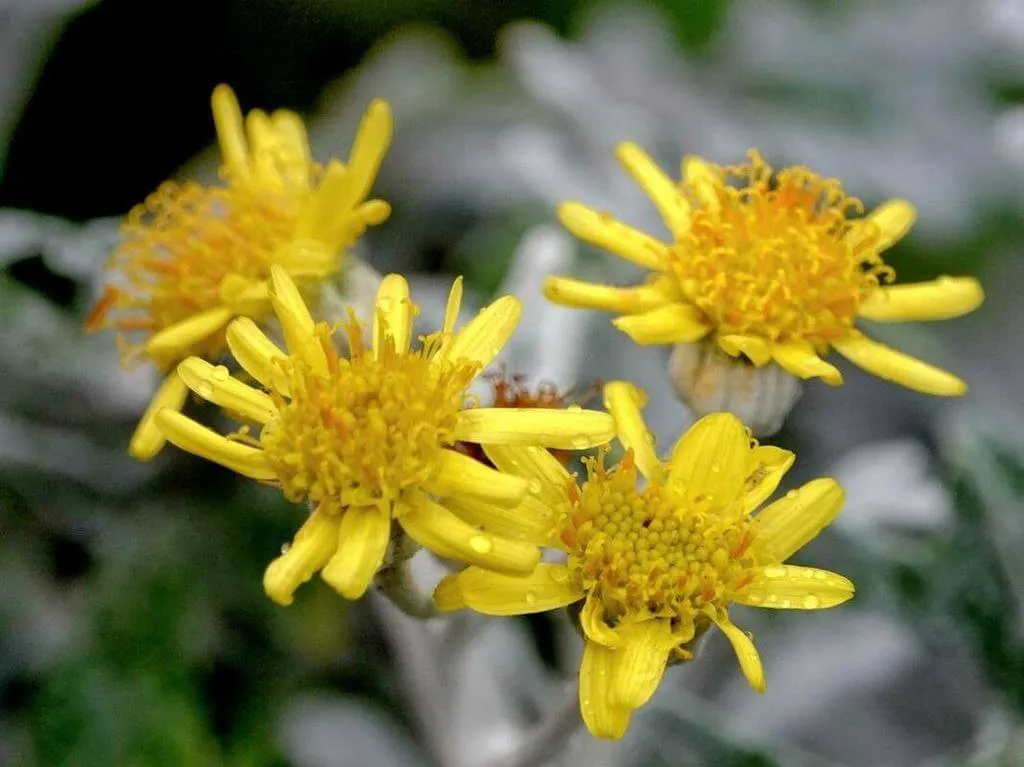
379, 434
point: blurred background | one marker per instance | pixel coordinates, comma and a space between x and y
133, 626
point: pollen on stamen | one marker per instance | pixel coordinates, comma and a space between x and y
772, 257
371, 427
650, 551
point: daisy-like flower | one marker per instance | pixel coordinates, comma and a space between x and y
652, 567
194, 257
773, 267
368, 440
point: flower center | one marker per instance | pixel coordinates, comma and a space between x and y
646, 552
179, 246
369, 430
772, 256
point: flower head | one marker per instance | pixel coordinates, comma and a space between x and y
193, 257
653, 564
368, 439
769, 266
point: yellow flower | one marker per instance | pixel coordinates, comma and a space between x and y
652, 568
771, 266
370, 438
194, 257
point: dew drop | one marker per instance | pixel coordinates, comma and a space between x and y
204, 389
811, 602
716, 467
774, 572
785, 604
481, 544
574, 409
791, 494
820, 575
220, 373
773, 598
580, 442
535, 486
531, 598
285, 548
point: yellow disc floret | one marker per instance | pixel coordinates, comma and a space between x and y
178, 247
374, 428
646, 552
768, 256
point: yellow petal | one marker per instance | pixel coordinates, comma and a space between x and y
602, 716
448, 595
244, 296
894, 219
198, 440
639, 662
362, 542
757, 350
563, 429
461, 476
482, 338
566, 291
262, 149
313, 546
746, 653
674, 210
602, 230
176, 341
941, 299
294, 160
453, 306
788, 587
891, 365
373, 137
594, 626
768, 465
227, 118
437, 529
217, 386
394, 309
669, 324
549, 480
793, 521
703, 179
257, 354
710, 461
531, 521
296, 321
548, 587
148, 440
800, 359
623, 400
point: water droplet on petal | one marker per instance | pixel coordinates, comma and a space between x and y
811, 602
774, 572
220, 373
785, 604
285, 548
574, 409
580, 442
716, 467
481, 544
531, 598
535, 486
204, 389
791, 494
